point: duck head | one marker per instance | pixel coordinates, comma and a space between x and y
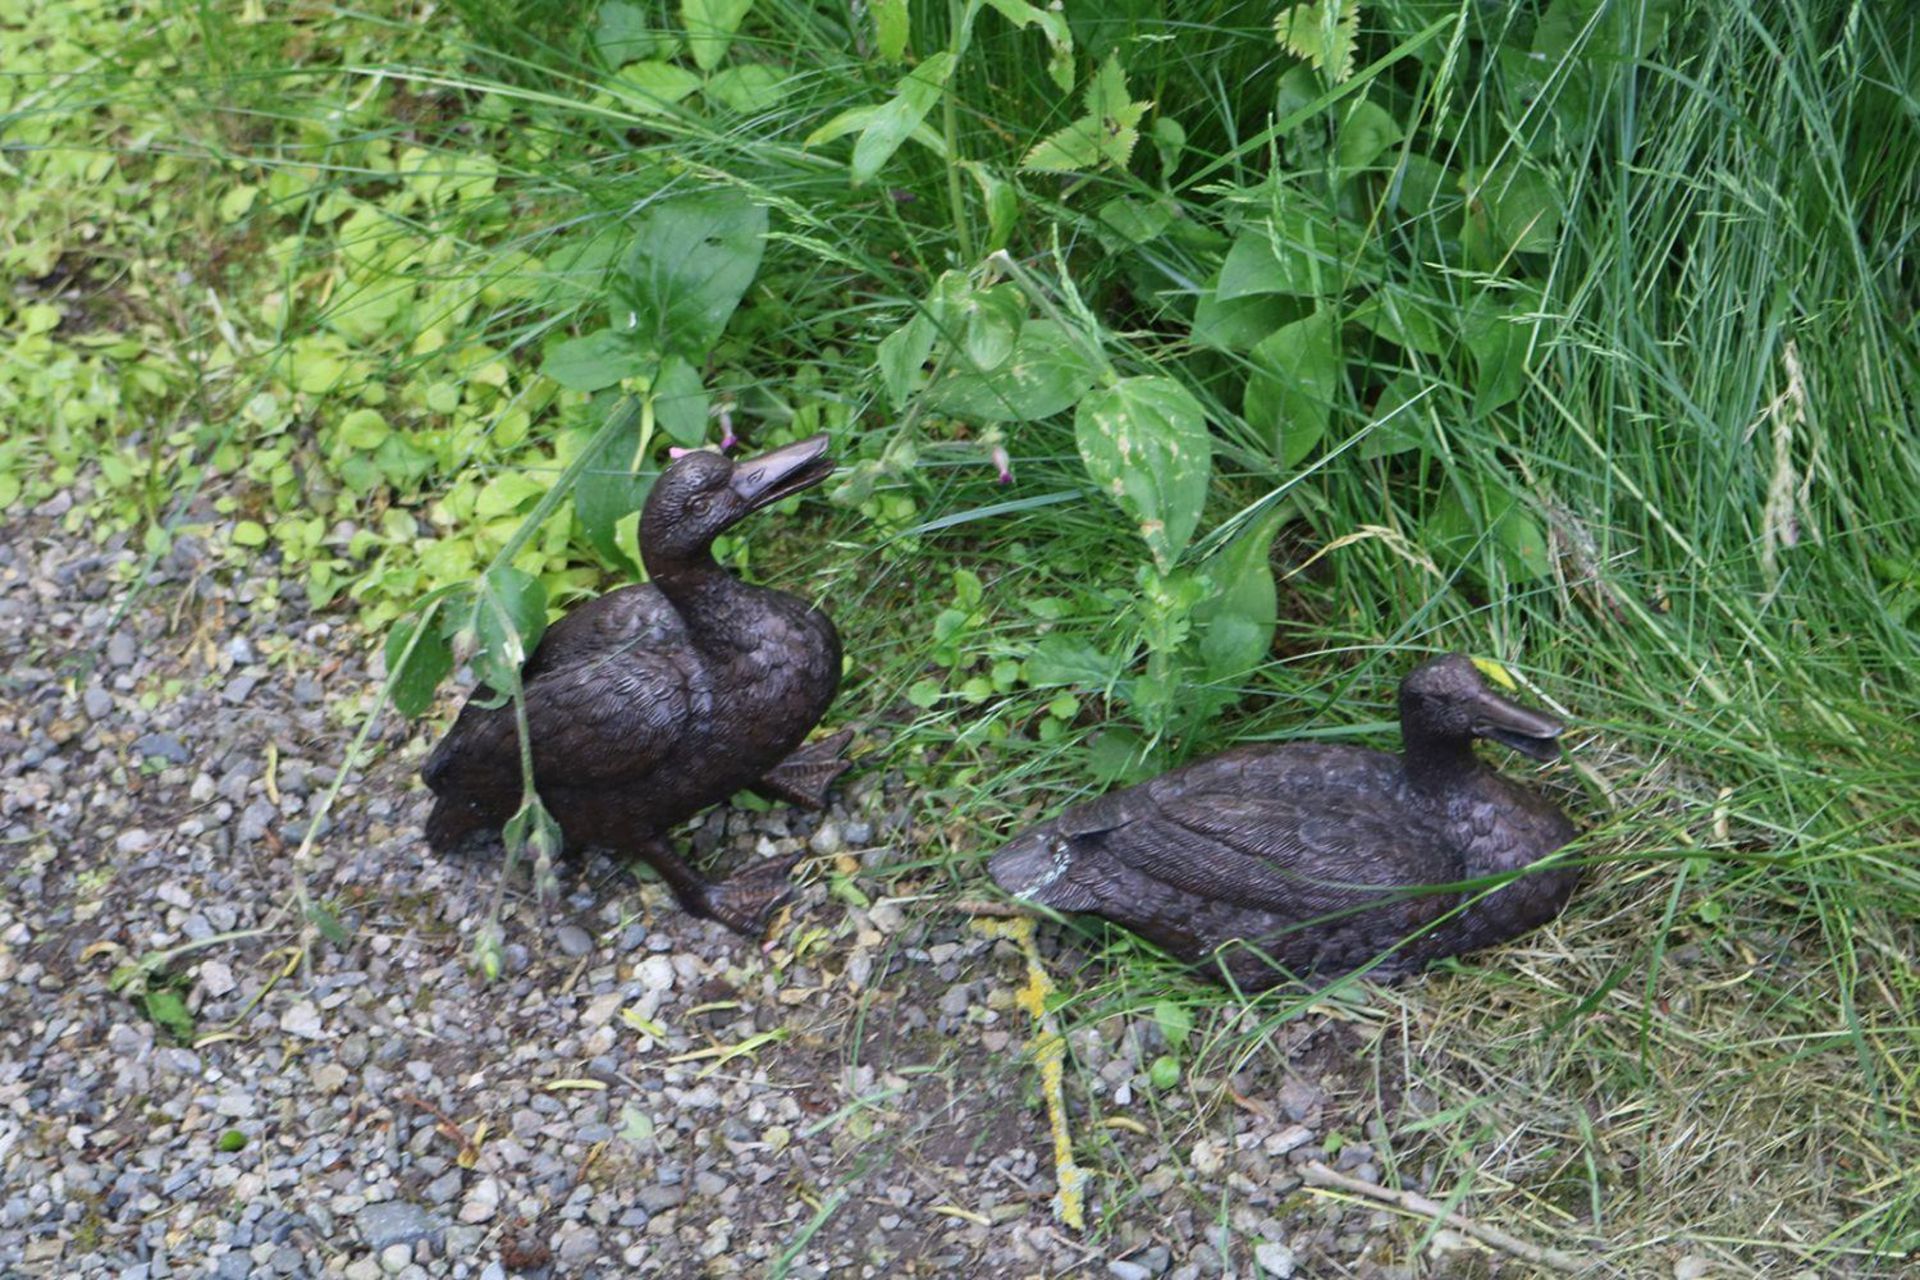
702, 494
1446, 702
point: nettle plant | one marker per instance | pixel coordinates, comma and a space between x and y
1007, 349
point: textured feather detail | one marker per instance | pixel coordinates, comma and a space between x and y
1319, 858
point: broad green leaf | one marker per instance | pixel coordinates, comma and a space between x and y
1451, 532
622, 32
1524, 545
506, 493
710, 26
1498, 340
1290, 396
1238, 324
1515, 536
1047, 373
598, 360
691, 262
1144, 441
1420, 186
913, 97
892, 21
509, 615
612, 488
1237, 621
401, 463
652, 86
1323, 34
1136, 221
233, 206
249, 533
1401, 319
414, 681
362, 429
1063, 660
315, 366
990, 323
1053, 25
1395, 428
901, 356
746, 90
680, 402
1526, 216
1303, 251
1002, 204
1106, 134
1118, 755
1368, 130
360, 473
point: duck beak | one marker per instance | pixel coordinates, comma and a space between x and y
1531, 733
764, 480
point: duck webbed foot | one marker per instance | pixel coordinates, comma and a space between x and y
741, 902
804, 777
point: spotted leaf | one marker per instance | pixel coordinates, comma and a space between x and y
1144, 441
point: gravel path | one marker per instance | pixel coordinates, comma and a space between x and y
639, 1094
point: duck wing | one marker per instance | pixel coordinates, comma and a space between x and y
603, 718
1252, 839
638, 615
1286, 855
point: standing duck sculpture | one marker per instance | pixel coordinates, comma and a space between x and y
1308, 860
654, 701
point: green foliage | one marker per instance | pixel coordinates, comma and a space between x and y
1563, 331
1323, 34
1105, 135
1144, 440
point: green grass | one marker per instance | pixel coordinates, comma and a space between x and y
1673, 483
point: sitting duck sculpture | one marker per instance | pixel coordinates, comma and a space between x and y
654, 701
1307, 860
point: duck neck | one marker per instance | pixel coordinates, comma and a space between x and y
1437, 764
712, 604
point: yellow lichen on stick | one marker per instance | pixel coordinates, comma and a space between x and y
1049, 1052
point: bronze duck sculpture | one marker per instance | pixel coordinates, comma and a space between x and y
1308, 860
654, 701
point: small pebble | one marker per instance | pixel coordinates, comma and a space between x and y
303, 1020
1275, 1259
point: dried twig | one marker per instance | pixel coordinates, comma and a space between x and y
982, 907
1319, 1175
